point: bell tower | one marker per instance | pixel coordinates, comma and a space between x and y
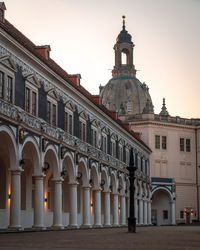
123, 48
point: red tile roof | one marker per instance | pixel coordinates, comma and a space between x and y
29, 45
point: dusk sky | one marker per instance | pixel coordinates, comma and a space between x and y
82, 33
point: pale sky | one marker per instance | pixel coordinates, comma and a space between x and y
82, 33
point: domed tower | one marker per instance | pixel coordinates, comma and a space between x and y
124, 92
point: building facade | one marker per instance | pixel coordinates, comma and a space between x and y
174, 141
63, 156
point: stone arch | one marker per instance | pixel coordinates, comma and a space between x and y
162, 201
69, 167
162, 189
82, 168
94, 176
51, 157
113, 183
121, 185
30, 152
7, 136
104, 178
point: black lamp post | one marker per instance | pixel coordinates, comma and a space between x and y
131, 219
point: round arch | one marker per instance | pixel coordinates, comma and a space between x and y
30, 150
7, 136
104, 177
94, 176
51, 157
69, 167
82, 168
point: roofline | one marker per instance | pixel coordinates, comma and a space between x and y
31, 47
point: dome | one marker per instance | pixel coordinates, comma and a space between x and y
126, 94
124, 37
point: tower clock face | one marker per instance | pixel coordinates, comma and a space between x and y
99, 138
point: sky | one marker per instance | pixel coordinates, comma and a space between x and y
82, 33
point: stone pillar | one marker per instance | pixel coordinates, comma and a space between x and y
173, 220
15, 202
149, 213
57, 215
136, 210
115, 210
39, 202
73, 205
145, 212
107, 209
123, 211
97, 208
140, 212
86, 207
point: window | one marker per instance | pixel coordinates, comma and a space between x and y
187, 145
94, 137
54, 115
129, 107
48, 112
104, 143
182, 144
9, 89
157, 141
113, 148
164, 142
181, 214
165, 214
31, 101
82, 130
120, 153
68, 122
51, 112
2, 85
127, 156
141, 164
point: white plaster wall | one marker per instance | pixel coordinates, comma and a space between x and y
171, 163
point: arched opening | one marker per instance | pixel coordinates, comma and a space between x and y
83, 182
125, 60
7, 161
94, 216
30, 160
161, 207
69, 178
51, 170
105, 188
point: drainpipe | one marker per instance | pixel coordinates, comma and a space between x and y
197, 174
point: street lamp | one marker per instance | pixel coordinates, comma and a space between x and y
131, 219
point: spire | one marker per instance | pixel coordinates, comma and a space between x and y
124, 27
164, 111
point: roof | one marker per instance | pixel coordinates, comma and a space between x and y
30, 46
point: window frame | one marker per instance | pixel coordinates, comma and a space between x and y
52, 103
157, 141
70, 128
32, 89
182, 144
8, 72
81, 133
188, 147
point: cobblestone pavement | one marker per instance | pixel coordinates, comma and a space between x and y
151, 238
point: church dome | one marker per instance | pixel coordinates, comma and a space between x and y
127, 95
124, 92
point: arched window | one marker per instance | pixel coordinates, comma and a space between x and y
125, 57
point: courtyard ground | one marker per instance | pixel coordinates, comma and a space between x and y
151, 238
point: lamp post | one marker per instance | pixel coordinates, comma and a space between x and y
131, 219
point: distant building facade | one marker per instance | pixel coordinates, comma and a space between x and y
174, 141
63, 156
